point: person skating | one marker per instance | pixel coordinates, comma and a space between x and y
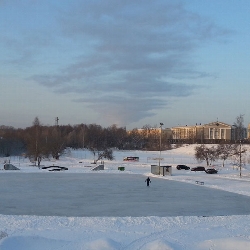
148, 181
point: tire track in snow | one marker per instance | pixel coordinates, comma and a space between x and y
171, 238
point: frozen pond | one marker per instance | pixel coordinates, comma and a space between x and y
118, 195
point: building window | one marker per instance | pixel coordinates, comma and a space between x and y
211, 133
222, 133
216, 136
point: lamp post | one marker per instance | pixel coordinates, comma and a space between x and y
240, 158
161, 124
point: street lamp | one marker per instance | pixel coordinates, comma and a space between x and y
161, 124
240, 158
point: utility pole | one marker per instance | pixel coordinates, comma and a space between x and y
240, 159
83, 135
161, 124
56, 121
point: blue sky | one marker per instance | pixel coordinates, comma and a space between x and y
129, 63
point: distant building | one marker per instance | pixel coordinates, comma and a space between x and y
147, 132
214, 132
248, 131
206, 133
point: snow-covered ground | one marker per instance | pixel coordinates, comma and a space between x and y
25, 232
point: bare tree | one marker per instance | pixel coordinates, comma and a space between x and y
136, 139
239, 129
56, 143
238, 154
106, 153
225, 151
239, 135
34, 142
204, 153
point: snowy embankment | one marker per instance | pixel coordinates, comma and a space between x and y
147, 233
111, 233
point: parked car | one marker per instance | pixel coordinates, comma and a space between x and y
55, 168
211, 171
199, 168
179, 167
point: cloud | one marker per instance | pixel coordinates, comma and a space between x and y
131, 55
119, 109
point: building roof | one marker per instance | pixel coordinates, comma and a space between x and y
211, 124
217, 124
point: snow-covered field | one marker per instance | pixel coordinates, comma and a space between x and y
24, 232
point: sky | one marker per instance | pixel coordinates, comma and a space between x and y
129, 63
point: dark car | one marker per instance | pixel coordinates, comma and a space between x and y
179, 167
55, 168
199, 168
211, 171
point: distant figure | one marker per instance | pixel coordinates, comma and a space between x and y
148, 180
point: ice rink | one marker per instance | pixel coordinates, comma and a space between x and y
118, 195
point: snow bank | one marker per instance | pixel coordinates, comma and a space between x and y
127, 233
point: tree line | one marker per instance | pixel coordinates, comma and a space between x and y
210, 154
39, 141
